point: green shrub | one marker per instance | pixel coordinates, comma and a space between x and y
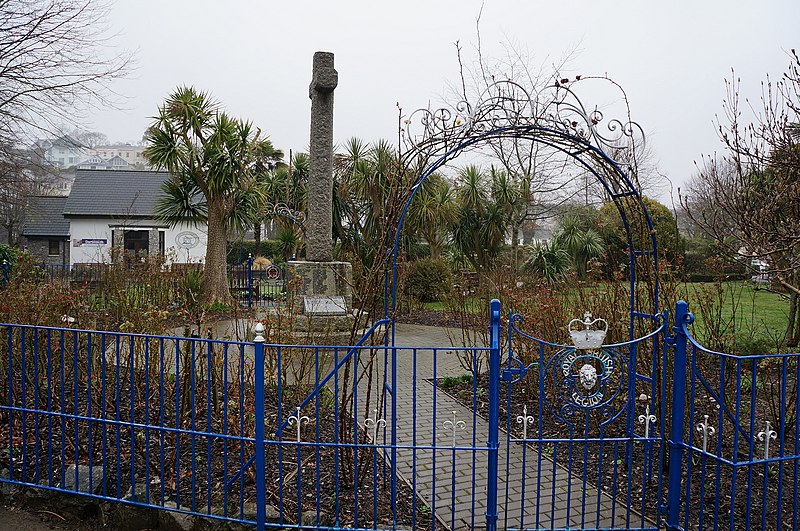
8, 253
429, 279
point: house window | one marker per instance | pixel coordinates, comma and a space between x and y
53, 247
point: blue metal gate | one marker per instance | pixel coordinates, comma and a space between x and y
584, 432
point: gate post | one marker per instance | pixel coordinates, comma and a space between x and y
493, 442
678, 405
261, 480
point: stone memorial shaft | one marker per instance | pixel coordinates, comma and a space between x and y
320, 181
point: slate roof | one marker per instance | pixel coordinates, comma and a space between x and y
44, 217
114, 193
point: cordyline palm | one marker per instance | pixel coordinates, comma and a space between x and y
288, 185
485, 203
214, 161
432, 211
581, 242
548, 262
365, 181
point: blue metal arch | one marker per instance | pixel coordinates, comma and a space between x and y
539, 134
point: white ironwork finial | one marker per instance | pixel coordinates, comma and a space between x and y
297, 420
454, 425
766, 436
259, 330
525, 419
646, 419
375, 425
706, 430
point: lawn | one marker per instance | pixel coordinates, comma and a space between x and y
737, 306
720, 308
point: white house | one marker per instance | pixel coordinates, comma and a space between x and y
130, 154
96, 163
62, 152
114, 208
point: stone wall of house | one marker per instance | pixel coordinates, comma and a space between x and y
40, 249
152, 242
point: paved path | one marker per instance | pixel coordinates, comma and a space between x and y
453, 482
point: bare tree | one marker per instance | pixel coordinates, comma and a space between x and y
55, 64
748, 199
19, 180
89, 139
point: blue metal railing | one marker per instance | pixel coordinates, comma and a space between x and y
178, 423
368, 436
735, 461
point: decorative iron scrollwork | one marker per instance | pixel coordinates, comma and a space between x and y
454, 426
375, 425
297, 420
765, 436
525, 419
647, 419
554, 111
282, 210
707, 430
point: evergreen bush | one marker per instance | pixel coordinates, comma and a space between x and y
429, 279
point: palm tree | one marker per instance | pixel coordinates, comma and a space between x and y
214, 162
287, 185
367, 183
548, 262
581, 242
485, 205
432, 211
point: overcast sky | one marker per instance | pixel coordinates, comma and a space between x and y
255, 57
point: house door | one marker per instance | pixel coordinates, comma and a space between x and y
137, 243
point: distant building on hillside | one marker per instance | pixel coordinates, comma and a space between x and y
97, 163
131, 155
61, 152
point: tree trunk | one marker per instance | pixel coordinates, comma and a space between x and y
215, 276
515, 227
792, 335
789, 337
257, 238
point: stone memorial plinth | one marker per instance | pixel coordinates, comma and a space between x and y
322, 296
321, 279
